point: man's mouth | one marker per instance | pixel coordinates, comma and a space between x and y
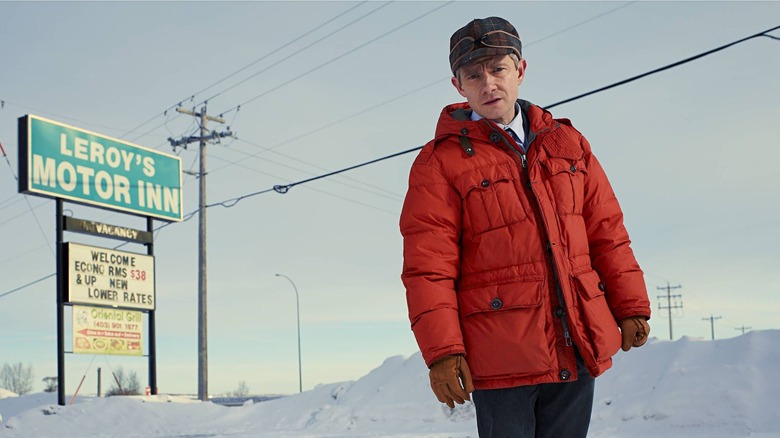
492, 101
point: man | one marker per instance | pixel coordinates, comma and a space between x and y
519, 277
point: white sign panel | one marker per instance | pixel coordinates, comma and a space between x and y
110, 278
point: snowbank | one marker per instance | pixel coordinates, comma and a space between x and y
681, 389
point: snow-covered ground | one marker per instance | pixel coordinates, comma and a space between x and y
686, 388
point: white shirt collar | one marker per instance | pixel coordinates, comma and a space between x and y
516, 124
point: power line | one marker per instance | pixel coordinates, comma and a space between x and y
666, 67
387, 193
595, 17
19, 255
28, 284
285, 188
319, 40
192, 97
341, 120
334, 59
27, 201
286, 45
62, 117
426, 86
363, 111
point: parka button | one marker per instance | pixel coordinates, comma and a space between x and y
565, 374
464, 131
485, 183
601, 287
559, 312
495, 137
573, 169
496, 303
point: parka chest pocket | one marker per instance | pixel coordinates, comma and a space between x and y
566, 181
490, 198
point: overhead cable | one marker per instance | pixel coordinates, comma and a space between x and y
26, 200
27, 285
334, 59
192, 97
284, 188
666, 67
319, 40
387, 193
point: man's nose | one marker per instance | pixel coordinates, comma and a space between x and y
488, 84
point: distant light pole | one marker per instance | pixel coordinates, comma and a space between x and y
298, 318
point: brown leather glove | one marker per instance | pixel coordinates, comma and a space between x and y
635, 331
451, 380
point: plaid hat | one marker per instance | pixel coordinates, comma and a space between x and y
482, 38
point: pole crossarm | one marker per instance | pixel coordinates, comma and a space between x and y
201, 114
712, 320
184, 141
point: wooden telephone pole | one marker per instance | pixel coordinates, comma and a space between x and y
203, 381
669, 297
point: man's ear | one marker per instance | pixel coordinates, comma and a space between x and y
456, 83
521, 66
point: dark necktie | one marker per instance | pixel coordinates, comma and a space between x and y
515, 137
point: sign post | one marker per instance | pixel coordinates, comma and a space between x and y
61, 290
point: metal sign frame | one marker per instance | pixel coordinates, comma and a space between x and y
62, 294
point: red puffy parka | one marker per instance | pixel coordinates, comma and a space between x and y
512, 258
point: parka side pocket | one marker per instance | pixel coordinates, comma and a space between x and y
504, 329
594, 318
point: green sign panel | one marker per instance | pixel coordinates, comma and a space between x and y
61, 161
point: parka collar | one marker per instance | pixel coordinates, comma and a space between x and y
456, 117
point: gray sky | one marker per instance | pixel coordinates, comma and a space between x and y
691, 152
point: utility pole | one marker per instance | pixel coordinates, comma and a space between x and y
203, 356
743, 329
669, 304
712, 320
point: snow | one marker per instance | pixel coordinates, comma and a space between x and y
686, 388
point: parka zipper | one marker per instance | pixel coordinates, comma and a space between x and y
556, 278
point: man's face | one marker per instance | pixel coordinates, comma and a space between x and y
490, 86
